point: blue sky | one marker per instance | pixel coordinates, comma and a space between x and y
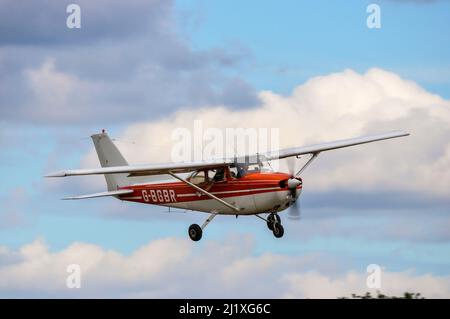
56, 89
300, 39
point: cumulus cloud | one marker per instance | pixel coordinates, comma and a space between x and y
326, 108
171, 267
127, 62
316, 285
52, 90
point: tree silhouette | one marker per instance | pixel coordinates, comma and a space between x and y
379, 295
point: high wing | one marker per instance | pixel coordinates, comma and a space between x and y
317, 148
144, 170
171, 168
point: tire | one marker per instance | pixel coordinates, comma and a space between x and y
278, 230
195, 232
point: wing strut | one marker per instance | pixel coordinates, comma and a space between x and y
201, 190
313, 157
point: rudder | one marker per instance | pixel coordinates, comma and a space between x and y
109, 155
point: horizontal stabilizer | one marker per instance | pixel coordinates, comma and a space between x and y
102, 194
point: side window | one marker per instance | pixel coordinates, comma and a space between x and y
197, 178
216, 175
254, 168
211, 174
220, 175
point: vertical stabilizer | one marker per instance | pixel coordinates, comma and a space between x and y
109, 155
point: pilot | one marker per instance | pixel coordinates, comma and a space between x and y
242, 169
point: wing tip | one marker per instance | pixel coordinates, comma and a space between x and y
401, 133
56, 174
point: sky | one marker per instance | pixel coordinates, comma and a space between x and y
141, 69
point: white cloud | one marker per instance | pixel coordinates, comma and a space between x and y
330, 107
315, 285
57, 95
171, 267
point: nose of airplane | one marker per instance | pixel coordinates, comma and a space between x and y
293, 182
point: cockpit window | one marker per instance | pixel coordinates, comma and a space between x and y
254, 168
197, 177
216, 175
250, 164
212, 175
236, 170
244, 169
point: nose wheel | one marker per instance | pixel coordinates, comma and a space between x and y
274, 224
273, 219
278, 230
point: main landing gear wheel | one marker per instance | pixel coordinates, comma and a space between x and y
272, 219
195, 232
278, 230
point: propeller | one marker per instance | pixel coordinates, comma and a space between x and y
294, 208
291, 165
293, 182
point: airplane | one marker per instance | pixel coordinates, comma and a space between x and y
231, 186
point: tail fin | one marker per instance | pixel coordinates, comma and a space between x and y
109, 155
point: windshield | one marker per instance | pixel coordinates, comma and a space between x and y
241, 169
207, 176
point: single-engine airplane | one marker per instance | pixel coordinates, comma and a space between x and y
231, 186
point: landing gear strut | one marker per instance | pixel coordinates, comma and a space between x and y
195, 231
272, 219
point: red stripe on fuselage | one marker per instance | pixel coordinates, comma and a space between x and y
171, 192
